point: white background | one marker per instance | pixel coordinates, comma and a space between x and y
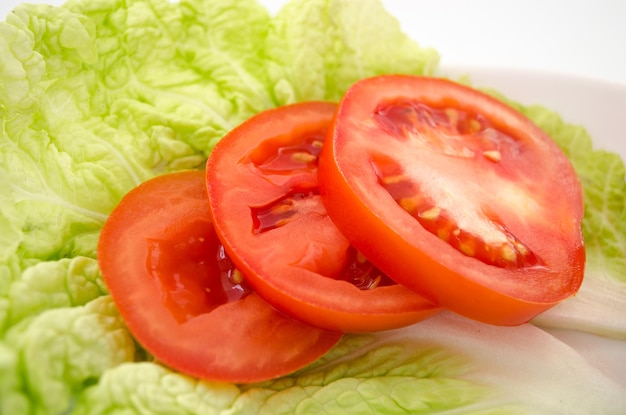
581, 37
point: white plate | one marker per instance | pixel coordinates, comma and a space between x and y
571, 85
599, 106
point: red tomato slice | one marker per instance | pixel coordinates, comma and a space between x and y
262, 185
165, 269
455, 195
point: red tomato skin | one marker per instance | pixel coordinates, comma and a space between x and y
239, 341
392, 240
287, 266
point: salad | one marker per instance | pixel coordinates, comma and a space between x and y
98, 97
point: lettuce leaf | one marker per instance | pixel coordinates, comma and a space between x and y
45, 360
97, 96
446, 364
318, 48
600, 304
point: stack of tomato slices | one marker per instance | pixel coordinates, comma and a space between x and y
312, 220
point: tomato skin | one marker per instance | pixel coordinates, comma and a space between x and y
166, 295
542, 207
275, 228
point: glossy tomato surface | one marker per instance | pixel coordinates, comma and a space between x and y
455, 195
264, 198
169, 278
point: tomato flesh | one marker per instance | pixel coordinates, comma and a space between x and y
181, 296
456, 196
267, 210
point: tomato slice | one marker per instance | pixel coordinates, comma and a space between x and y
168, 276
455, 195
264, 198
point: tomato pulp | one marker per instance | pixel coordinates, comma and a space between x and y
181, 298
455, 195
265, 203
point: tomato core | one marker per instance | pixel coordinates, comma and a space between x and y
357, 270
457, 133
191, 277
289, 159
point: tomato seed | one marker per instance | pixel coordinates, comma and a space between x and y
430, 214
493, 155
303, 157
507, 253
236, 277
360, 258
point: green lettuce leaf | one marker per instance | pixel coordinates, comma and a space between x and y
317, 49
600, 304
97, 96
446, 364
59, 352
602, 176
68, 282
